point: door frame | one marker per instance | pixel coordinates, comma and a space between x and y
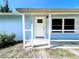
44, 20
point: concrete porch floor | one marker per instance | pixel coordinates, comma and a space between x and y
44, 43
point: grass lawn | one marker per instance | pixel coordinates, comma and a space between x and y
19, 52
62, 53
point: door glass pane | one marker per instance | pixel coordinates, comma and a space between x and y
39, 21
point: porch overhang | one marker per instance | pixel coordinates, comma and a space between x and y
46, 11
52, 14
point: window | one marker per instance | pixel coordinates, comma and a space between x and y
69, 25
39, 21
56, 25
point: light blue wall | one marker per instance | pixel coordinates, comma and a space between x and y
14, 24
28, 22
28, 35
65, 36
46, 28
11, 24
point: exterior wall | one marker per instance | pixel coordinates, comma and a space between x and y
46, 28
28, 22
12, 24
67, 36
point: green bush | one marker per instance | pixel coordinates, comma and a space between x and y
7, 39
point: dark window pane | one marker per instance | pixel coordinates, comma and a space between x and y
56, 24
69, 27
69, 21
56, 21
56, 27
69, 24
39, 21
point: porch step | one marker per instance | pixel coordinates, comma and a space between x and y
38, 43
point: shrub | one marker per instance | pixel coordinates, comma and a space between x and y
7, 39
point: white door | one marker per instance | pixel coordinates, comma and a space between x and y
39, 28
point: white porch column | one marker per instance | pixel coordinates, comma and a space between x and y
32, 33
23, 23
63, 25
49, 32
32, 29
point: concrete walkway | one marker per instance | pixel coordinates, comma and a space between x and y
74, 51
42, 54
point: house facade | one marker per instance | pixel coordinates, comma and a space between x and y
46, 23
